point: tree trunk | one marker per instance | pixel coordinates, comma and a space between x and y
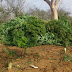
54, 13
53, 6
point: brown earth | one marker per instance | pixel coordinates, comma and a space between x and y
48, 58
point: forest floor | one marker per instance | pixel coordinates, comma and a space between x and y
46, 58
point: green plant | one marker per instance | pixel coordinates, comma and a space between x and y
62, 31
55, 59
17, 57
5, 50
11, 52
19, 39
67, 57
27, 31
48, 38
22, 31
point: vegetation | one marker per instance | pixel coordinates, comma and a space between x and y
11, 52
45, 15
27, 31
62, 31
22, 31
67, 57
35, 28
48, 38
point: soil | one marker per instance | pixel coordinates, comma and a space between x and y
48, 58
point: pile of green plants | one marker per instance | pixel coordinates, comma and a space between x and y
27, 31
57, 33
61, 30
22, 31
48, 38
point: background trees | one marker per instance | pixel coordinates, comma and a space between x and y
12, 8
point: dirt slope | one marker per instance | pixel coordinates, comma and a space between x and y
48, 58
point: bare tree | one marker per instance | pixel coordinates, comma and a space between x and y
11, 9
53, 6
39, 13
16, 9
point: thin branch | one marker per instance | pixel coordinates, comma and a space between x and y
10, 4
21, 5
49, 2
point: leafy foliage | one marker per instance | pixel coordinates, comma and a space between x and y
48, 38
62, 31
27, 31
22, 31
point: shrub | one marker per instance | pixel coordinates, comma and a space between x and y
34, 28
19, 39
62, 31
48, 38
26, 31
2, 33
22, 31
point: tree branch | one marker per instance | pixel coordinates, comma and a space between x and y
48, 2
56, 3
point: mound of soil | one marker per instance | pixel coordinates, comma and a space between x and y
48, 58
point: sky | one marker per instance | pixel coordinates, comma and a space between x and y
41, 4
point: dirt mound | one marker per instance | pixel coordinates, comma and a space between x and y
48, 58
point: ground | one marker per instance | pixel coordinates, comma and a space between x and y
48, 58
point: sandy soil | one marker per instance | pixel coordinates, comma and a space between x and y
48, 58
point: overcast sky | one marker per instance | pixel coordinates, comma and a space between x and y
41, 4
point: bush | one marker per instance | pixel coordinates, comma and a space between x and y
48, 38
27, 31
22, 31
19, 39
62, 31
